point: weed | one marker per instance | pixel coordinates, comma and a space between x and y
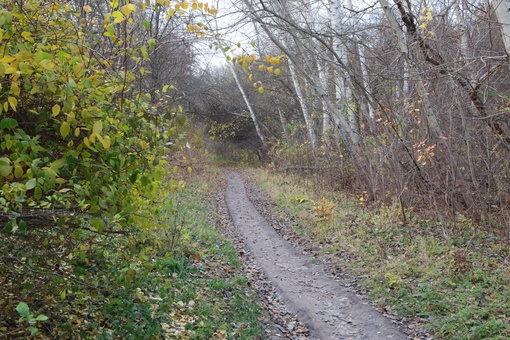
151, 284
453, 287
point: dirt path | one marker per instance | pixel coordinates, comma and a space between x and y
329, 310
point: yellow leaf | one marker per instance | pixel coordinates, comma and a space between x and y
7, 60
191, 28
13, 102
250, 77
86, 142
118, 20
77, 132
64, 129
274, 61
255, 85
171, 12
15, 90
184, 5
87, 9
127, 9
190, 169
194, 6
55, 110
106, 142
261, 67
277, 72
23, 55
270, 69
261, 90
97, 128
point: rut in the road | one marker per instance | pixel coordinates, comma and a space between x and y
328, 309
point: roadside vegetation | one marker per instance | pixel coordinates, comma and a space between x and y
181, 280
105, 230
447, 279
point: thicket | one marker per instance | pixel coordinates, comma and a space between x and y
88, 201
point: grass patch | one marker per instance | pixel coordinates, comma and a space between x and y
454, 287
133, 285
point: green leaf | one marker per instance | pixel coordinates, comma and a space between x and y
37, 193
97, 224
18, 171
57, 164
22, 225
65, 128
151, 43
8, 227
31, 183
110, 31
181, 119
41, 317
5, 166
23, 310
8, 123
33, 330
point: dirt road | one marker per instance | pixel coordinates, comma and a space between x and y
329, 310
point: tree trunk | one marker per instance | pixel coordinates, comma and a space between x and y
502, 9
247, 101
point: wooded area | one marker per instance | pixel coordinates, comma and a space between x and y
105, 107
406, 100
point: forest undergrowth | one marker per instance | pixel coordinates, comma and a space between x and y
179, 280
444, 279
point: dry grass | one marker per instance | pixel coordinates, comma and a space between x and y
448, 279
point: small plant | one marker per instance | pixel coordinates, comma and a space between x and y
324, 209
31, 319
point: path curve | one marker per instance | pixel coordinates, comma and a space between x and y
329, 310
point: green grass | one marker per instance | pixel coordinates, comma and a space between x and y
134, 286
453, 288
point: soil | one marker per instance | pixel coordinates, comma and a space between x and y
302, 299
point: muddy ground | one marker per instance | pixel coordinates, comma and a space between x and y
302, 298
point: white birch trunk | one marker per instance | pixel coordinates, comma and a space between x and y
247, 101
366, 85
401, 39
302, 103
502, 9
323, 83
343, 91
463, 29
